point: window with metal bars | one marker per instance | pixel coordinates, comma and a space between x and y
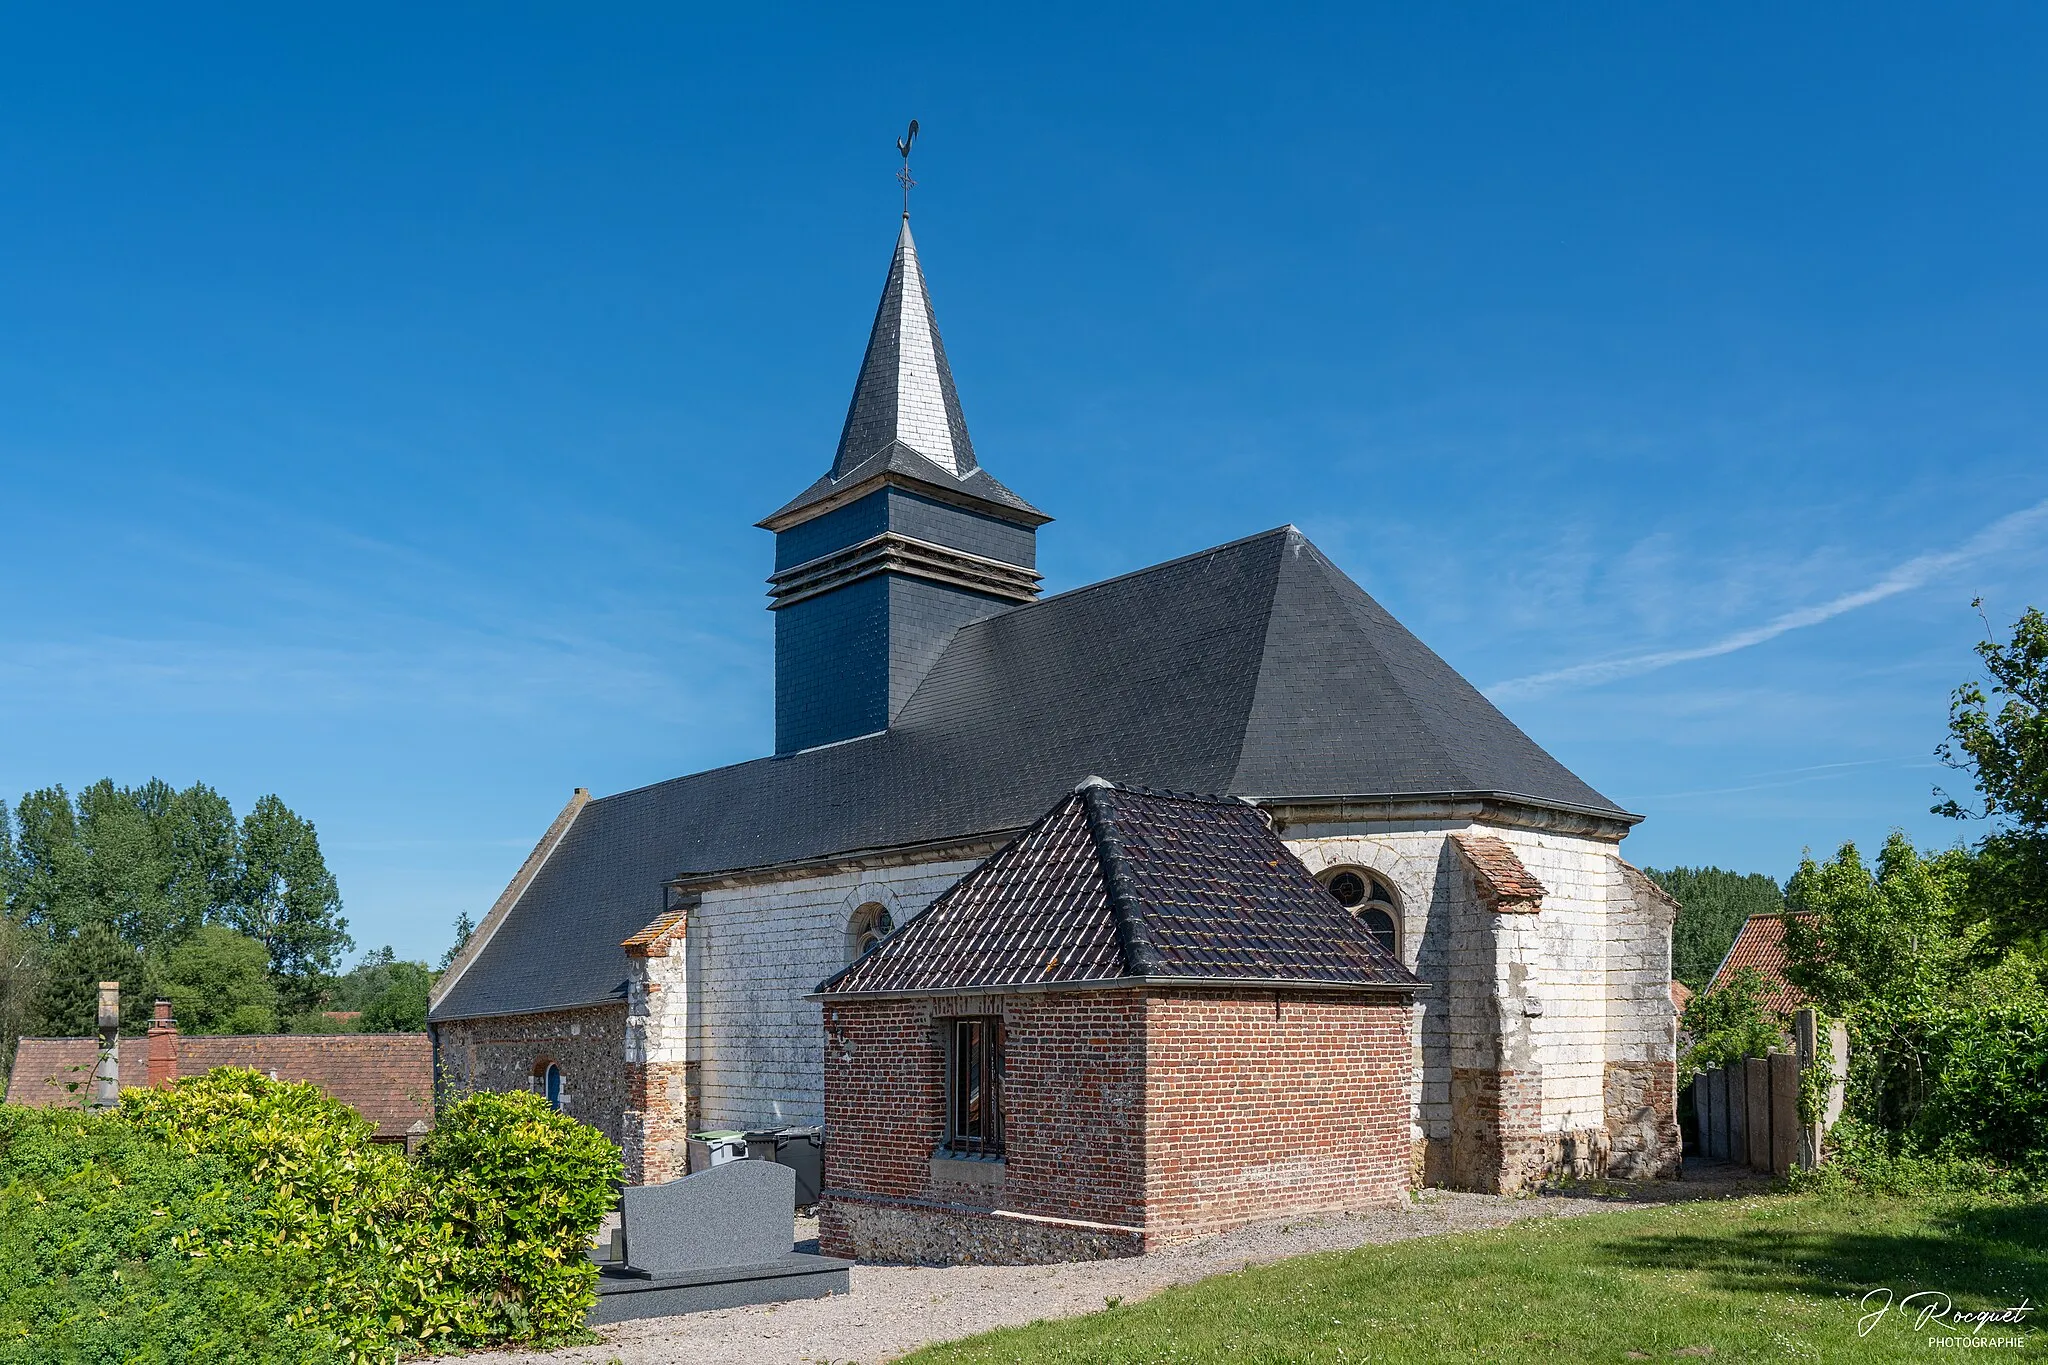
975, 1122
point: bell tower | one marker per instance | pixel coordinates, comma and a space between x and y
906, 539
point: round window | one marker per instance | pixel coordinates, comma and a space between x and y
1349, 889
1367, 897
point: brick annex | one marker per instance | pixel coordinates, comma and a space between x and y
655, 964
1142, 1021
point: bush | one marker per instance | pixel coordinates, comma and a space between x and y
1864, 1157
270, 1200
98, 1227
1988, 1073
1729, 1024
521, 1188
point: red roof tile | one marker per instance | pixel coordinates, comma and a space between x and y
1761, 945
387, 1077
1503, 881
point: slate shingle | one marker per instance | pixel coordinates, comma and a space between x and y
1253, 669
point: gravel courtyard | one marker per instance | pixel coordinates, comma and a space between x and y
895, 1309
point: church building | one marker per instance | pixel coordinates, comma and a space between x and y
652, 966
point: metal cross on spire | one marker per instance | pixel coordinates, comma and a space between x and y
903, 176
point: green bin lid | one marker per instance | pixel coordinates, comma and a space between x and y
721, 1135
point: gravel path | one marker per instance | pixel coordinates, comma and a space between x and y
896, 1309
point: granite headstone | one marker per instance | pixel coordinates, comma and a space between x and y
734, 1214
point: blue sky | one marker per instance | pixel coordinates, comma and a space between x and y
387, 395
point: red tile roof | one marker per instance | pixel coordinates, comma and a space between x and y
387, 1077
1681, 996
653, 941
1504, 883
1761, 945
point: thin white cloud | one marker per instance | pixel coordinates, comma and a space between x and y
1794, 777
1914, 573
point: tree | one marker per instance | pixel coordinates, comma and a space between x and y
287, 900
121, 876
1712, 905
1948, 1035
218, 981
151, 862
401, 1006
1728, 1024
66, 1000
464, 927
2000, 737
196, 838
1898, 932
21, 947
389, 995
48, 889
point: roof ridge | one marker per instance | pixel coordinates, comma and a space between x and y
1133, 939
904, 393
906, 935
1162, 793
1148, 569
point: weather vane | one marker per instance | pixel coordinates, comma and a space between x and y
903, 176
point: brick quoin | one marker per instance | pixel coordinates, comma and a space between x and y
1135, 1119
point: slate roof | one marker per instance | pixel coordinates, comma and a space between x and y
386, 1077
1252, 669
1118, 884
1761, 944
901, 463
905, 418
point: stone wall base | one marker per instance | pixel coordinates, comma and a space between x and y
865, 1228
655, 1128
1497, 1141
1642, 1121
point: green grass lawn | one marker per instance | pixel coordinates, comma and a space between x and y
1777, 1278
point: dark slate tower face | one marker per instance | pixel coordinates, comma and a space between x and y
906, 540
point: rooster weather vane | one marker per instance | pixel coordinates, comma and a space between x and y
903, 176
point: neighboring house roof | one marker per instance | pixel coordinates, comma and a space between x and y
1117, 884
1681, 995
386, 1077
1761, 944
1253, 669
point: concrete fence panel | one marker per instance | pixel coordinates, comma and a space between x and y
1738, 1113
1756, 1075
1786, 1137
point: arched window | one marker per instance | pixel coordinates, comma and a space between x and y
547, 1082
1366, 895
869, 926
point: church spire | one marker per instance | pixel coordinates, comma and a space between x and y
905, 392
904, 541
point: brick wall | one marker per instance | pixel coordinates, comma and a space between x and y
501, 1054
1257, 1105
1134, 1119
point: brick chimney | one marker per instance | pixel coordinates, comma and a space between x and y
163, 1047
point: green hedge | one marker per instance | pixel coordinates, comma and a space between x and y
248, 1219
97, 1227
